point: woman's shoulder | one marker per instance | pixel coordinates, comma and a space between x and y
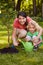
16, 19
28, 18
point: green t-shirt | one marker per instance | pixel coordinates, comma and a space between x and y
34, 34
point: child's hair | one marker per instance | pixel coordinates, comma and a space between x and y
22, 14
31, 24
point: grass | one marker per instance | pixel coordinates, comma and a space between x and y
21, 58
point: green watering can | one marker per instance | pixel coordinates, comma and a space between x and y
27, 45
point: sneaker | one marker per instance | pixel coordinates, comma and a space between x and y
35, 48
12, 46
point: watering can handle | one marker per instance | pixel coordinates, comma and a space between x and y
20, 40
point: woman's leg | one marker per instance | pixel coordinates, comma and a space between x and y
21, 33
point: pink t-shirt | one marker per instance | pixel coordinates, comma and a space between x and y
16, 23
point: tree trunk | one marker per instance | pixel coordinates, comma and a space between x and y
34, 7
8, 34
8, 37
18, 5
13, 2
38, 7
42, 7
42, 10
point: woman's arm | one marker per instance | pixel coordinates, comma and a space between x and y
14, 37
39, 28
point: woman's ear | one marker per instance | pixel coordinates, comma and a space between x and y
27, 27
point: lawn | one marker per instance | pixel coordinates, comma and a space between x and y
21, 58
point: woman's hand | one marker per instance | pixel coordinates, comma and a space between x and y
15, 43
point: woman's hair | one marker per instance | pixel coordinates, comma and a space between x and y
22, 14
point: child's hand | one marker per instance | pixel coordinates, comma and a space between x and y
35, 39
26, 39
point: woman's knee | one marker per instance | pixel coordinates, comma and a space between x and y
22, 33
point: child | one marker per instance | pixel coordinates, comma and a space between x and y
32, 34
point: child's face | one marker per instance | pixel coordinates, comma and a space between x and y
31, 28
22, 20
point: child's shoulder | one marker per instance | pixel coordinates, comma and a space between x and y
29, 33
36, 33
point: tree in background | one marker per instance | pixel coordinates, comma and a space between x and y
42, 7
18, 5
34, 8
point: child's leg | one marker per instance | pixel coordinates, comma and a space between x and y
27, 38
37, 42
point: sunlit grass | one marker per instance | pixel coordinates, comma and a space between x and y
3, 41
3, 38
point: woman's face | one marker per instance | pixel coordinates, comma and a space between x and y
22, 20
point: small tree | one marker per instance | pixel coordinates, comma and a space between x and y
6, 22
